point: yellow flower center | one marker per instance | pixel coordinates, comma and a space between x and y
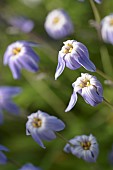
56, 20
68, 48
16, 50
111, 22
85, 83
37, 122
86, 145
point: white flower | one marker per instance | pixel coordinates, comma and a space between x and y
58, 24
107, 29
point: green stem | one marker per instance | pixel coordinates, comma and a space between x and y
14, 162
64, 139
108, 104
95, 11
103, 75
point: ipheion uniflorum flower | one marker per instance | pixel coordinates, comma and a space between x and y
42, 126
85, 147
20, 55
89, 88
73, 55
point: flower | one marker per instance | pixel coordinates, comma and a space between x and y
89, 88
107, 29
3, 158
97, 1
6, 93
21, 23
20, 55
58, 24
73, 55
29, 166
110, 156
85, 147
42, 126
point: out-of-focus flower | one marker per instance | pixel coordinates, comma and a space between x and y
3, 158
20, 55
21, 23
31, 3
58, 24
85, 147
110, 156
29, 166
107, 29
108, 82
73, 55
97, 1
6, 94
42, 126
89, 88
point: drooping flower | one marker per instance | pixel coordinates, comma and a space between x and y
107, 29
20, 55
6, 103
73, 55
97, 1
58, 24
21, 23
3, 158
89, 88
85, 147
29, 166
42, 126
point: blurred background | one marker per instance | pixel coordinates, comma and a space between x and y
42, 92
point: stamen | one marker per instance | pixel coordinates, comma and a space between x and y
16, 50
68, 48
37, 122
56, 20
86, 145
111, 22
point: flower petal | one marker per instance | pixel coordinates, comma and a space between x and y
36, 137
72, 102
60, 67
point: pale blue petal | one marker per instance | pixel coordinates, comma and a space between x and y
60, 67
11, 107
54, 123
3, 158
36, 137
47, 135
72, 102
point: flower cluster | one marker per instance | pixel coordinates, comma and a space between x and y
73, 55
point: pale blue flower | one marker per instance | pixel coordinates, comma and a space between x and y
58, 24
107, 29
85, 147
42, 126
6, 103
73, 55
89, 88
20, 55
3, 158
97, 1
110, 156
29, 166
21, 23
